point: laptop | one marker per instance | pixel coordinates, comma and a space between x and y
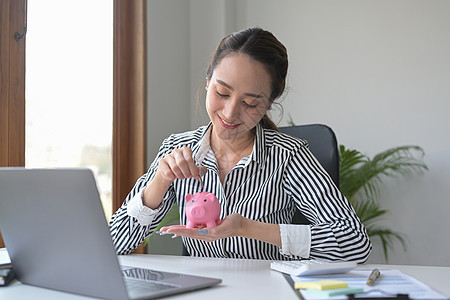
57, 237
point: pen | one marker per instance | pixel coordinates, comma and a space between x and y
373, 277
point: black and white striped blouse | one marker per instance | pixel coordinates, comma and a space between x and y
280, 174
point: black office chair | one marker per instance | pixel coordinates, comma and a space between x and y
323, 145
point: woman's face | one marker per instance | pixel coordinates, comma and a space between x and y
237, 96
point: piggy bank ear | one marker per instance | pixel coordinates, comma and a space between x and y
189, 197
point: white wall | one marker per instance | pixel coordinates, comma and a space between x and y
168, 55
377, 72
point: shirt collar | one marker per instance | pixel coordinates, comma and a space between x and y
201, 149
259, 147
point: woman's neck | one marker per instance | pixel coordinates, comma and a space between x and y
229, 152
232, 149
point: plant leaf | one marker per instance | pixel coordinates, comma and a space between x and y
350, 176
360, 173
360, 180
172, 216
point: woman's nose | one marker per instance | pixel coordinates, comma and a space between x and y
231, 109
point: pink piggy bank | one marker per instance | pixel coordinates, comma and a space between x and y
202, 208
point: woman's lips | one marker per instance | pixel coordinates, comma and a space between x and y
228, 125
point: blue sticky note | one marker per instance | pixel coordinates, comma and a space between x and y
335, 292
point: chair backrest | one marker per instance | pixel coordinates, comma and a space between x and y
323, 145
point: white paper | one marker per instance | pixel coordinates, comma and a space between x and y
4, 257
391, 283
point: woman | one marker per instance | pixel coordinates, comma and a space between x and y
258, 174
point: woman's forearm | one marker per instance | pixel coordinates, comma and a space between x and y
269, 233
155, 191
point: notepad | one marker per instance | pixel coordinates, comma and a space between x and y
324, 284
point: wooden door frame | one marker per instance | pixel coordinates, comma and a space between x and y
130, 93
12, 83
129, 108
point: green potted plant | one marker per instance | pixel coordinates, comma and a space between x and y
360, 179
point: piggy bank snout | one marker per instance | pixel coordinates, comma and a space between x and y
198, 212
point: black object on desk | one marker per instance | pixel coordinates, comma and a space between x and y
398, 296
6, 276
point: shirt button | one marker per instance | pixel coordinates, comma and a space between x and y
229, 183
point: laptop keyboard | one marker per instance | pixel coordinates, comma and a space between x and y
145, 279
147, 274
139, 286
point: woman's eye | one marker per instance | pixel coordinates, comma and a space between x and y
249, 105
222, 95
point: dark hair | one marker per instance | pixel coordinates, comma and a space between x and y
262, 46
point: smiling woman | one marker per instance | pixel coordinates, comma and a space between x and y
258, 174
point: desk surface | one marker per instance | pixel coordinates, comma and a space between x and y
250, 279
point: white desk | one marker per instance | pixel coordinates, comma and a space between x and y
242, 279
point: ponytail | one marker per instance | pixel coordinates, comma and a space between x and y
267, 123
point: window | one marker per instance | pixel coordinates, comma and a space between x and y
129, 91
68, 89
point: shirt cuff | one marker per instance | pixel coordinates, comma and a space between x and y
143, 214
295, 240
